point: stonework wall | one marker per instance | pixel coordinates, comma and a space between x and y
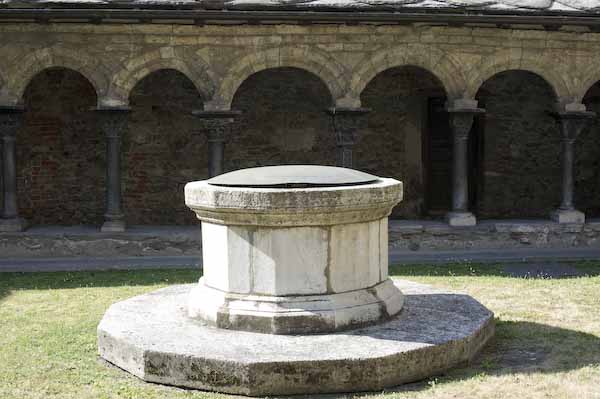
61, 150
521, 148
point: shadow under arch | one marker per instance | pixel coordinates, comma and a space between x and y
506, 62
516, 144
326, 69
440, 64
587, 159
163, 149
60, 151
283, 120
408, 137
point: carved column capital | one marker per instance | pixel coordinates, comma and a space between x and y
461, 120
11, 119
113, 120
216, 123
572, 123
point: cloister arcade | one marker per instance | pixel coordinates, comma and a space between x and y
122, 138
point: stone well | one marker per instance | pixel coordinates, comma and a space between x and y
294, 249
295, 297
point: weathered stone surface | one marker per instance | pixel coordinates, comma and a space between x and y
12, 225
322, 206
56, 242
461, 219
568, 216
494, 234
295, 314
151, 337
288, 260
410, 235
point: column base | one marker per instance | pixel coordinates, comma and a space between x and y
461, 219
565, 216
13, 224
113, 226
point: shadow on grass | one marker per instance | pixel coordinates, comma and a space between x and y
521, 347
544, 270
517, 348
113, 278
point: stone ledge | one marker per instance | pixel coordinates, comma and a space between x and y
151, 337
414, 235
493, 234
81, 241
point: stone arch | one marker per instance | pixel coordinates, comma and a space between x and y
306, 58
508, 61
589, 77
31, 65
136, 69
429, 58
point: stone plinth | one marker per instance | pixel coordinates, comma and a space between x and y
294, 260
152, 337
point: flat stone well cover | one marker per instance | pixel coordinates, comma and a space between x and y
289, 176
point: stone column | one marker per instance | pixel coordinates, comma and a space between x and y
461, 121
346, 123
10, 120
216, 124
113, 122
572, 124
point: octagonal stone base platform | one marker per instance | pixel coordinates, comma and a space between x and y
151, 337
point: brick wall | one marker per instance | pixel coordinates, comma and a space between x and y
60, 152
162, 150
587, 160
391, 145
284, 121
521, 151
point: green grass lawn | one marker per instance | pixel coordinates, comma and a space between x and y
547, 343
